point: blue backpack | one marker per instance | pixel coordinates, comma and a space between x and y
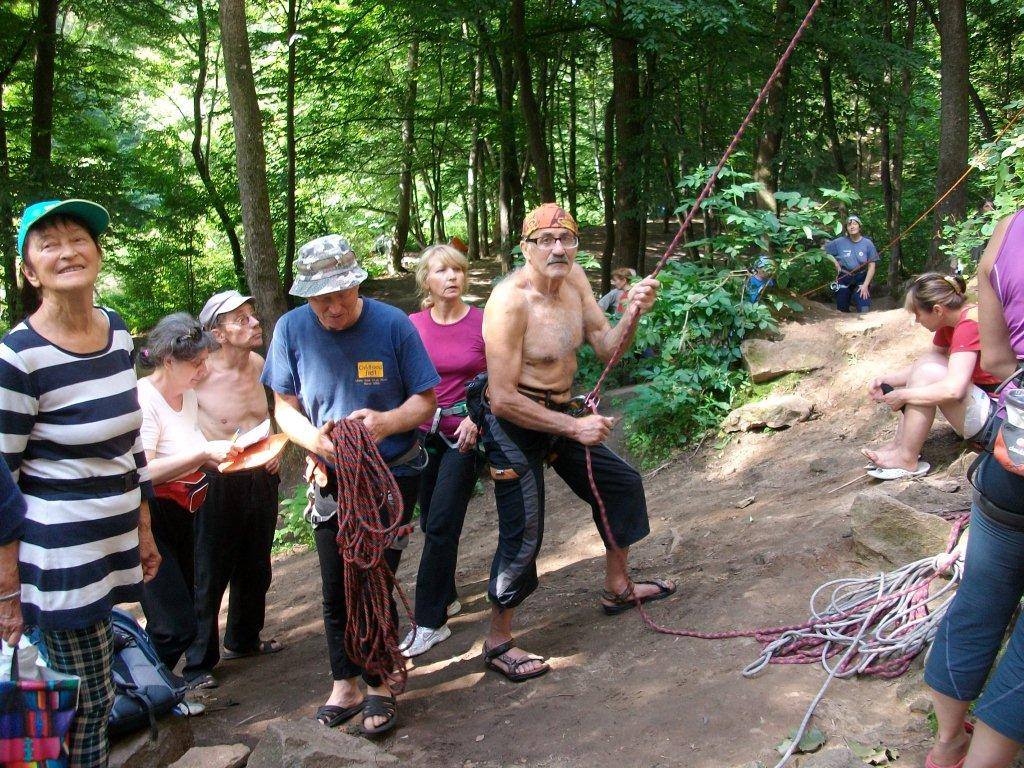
145, 688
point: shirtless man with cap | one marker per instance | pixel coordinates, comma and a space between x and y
534, 323
235, 527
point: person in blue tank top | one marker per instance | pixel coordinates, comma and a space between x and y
855, 257
342, 356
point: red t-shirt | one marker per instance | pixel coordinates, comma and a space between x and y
966, 337
457, 351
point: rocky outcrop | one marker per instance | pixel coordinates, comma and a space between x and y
307, 744
174, 739
221, 756
767, 360
899, 534
775, 412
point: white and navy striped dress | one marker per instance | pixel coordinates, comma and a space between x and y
69, 431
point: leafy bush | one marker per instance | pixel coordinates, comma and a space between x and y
1000, 165
296, 530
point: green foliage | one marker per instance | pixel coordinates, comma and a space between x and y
1000, 166
695, 330
296, 530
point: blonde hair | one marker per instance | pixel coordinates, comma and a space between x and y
450, 257
934, 289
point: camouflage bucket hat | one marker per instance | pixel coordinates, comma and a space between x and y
325, 265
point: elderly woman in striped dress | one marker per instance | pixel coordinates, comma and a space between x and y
69, 431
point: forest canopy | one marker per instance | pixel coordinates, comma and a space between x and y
223, 135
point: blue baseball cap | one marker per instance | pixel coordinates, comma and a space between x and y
93, 214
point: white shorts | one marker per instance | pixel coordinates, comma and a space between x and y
979, 406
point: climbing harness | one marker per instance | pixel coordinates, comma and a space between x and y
369, 523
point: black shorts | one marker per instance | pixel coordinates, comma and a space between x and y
517, 458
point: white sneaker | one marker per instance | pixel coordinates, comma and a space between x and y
454, 607
423, 639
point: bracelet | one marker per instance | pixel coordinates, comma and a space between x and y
11, 596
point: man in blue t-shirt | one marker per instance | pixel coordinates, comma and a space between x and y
345, 357
855, 257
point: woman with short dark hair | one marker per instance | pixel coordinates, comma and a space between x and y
177, 350
69, 431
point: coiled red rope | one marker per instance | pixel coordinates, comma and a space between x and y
369, 521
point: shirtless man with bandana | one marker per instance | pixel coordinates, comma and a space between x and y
534, 323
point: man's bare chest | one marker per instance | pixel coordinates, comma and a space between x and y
553, 331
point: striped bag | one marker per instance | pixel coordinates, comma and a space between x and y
35, 718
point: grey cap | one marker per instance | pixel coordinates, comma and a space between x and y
219, 304
853, 218
325, 265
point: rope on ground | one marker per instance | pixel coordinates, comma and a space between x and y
369, 521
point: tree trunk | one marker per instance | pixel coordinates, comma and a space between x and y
528, 103
13, 310
261, 266
902, 118
987, 127
570, 177
829, 111
290, 212
401, 239
773, 114
41, 142
473, 166
607, 182
629, 141
199, 157
953, 123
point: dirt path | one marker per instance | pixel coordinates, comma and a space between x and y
620, 695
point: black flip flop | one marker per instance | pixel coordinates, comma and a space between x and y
265, 647
625, 601
331, 715
376, 706
511, 671
201, 681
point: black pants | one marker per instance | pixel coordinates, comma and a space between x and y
234, 534
332, 571
447, 487
520, 499
168, 600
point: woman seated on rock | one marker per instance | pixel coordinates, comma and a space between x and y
948, 377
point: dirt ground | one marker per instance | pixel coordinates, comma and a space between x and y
620, 695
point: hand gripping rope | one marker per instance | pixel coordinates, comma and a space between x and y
369, 521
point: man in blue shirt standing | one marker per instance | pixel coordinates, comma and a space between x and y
345, 357
855, 257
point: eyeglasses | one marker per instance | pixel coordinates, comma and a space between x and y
242, 321
547, 242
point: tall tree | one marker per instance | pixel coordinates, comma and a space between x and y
261, 267
405, 178
953, 120
290, 212
41, 149
12, 296
629, 141
773, 113
528, 103
199, 156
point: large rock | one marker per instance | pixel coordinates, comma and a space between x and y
767, 360
307, 744
173, 740
838, 757
775, 412
887, 528
221, 756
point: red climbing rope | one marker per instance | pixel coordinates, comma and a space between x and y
369, 521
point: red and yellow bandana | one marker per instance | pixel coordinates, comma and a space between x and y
549, 215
